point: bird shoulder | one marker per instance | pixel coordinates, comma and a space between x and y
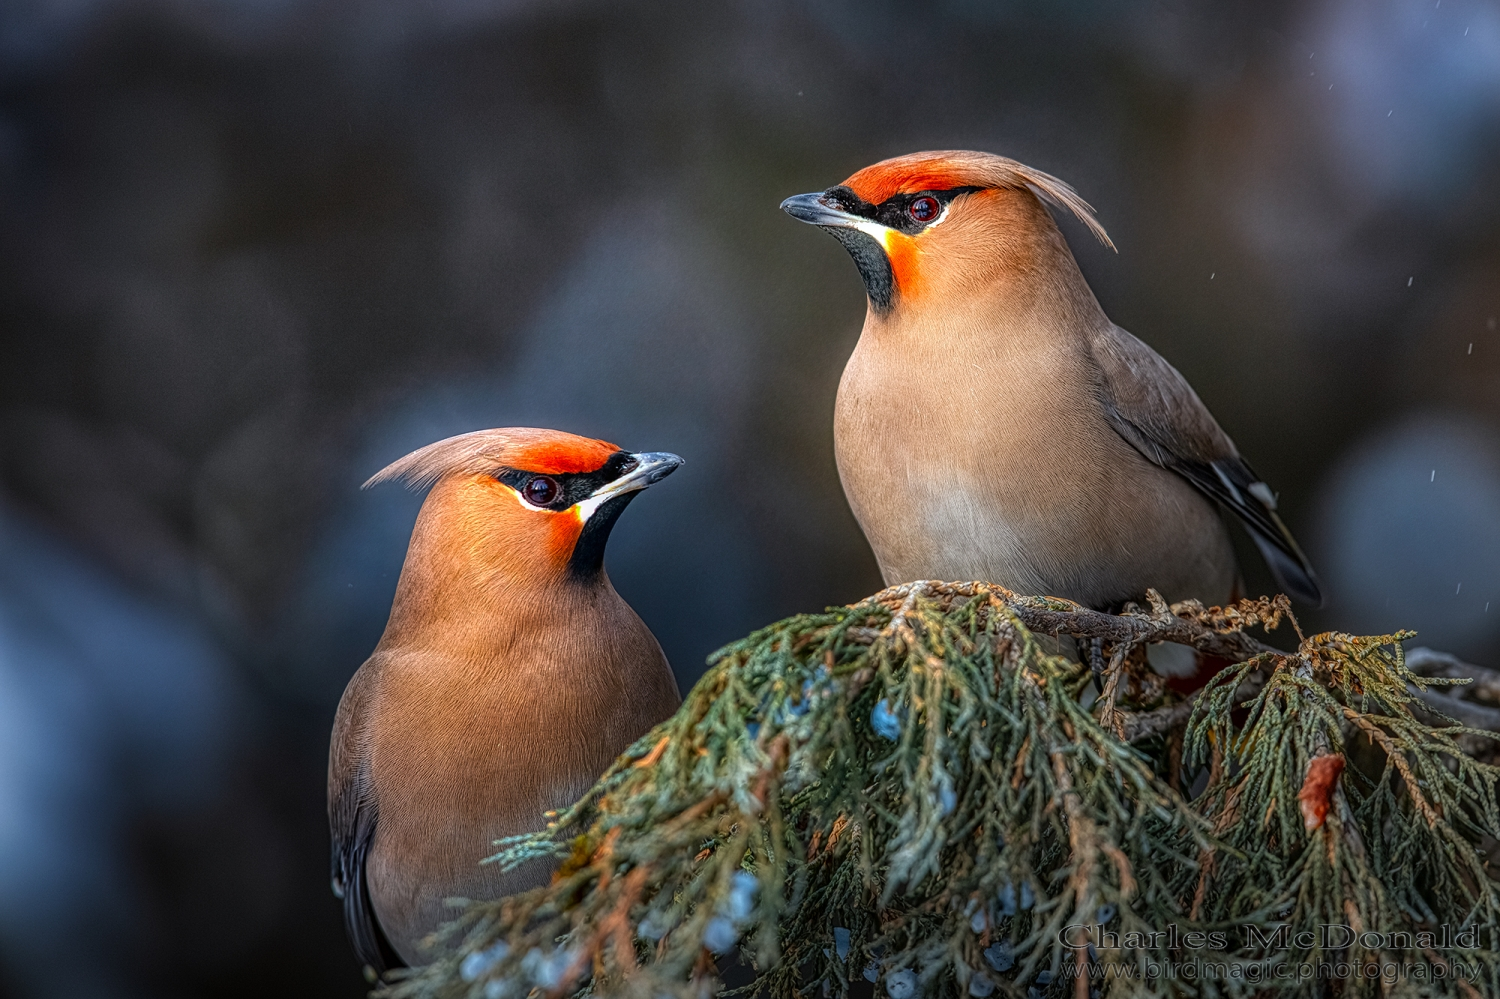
1152, 405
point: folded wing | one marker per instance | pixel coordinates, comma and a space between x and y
352, 816
1154, 408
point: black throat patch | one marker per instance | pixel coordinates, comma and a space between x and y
893, 213
587, 561
874, 266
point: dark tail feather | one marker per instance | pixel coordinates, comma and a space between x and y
370, 942
1294, 574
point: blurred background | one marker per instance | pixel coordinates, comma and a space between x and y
252, 250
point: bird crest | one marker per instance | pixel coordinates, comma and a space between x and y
945, 170
483, 452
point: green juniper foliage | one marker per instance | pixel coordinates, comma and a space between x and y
918, 791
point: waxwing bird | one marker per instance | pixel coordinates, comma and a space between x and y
510, 675
992, 423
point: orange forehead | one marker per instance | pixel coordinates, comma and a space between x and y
563, 456
890, 177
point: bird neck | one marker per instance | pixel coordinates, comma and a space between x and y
468, 573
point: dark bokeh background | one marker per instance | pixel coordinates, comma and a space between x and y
251, 250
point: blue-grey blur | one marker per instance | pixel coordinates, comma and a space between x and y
253, 250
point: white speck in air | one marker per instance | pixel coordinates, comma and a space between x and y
1330, 86
1486, 606
1390, 112
1434, 476
1211, 276
1466, 32
1409, 281
1459, 590
1471, 348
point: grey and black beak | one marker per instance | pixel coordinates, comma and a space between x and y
657, 465
650, 468
604, 505
813, 209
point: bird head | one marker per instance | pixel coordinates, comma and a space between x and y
521, 503
924, 225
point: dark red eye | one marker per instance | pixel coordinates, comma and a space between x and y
924, 209
541, 491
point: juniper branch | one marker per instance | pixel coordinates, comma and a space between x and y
910, 789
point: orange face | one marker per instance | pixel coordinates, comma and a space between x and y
898, 206
544, 490
513, 510
893, 184
523, 504
542, 539
930, 224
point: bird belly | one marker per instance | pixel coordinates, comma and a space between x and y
1099, 550
985, 479
960, 536
415, 868
482, 756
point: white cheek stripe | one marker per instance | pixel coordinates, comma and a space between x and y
881, 234
584, 508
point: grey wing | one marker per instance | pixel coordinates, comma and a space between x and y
352, 816
1152, 406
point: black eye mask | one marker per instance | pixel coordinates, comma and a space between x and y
894, 212
572, 487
